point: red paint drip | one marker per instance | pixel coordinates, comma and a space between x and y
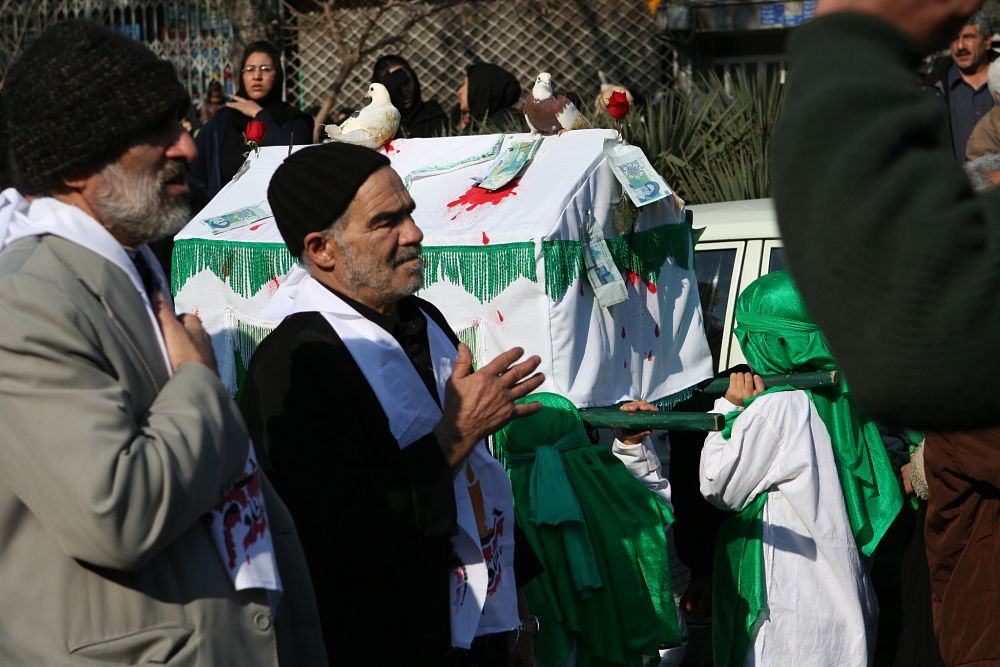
651, 286
486, 239
500, 315
656, 331
477, 196
623, 332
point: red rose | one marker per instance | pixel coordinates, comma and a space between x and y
618, 105
256, 131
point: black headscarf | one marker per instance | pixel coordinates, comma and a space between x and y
491, 89
419, 119
233, 145
280, 111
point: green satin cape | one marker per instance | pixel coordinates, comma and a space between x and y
600, 535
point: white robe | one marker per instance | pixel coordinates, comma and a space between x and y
820, 609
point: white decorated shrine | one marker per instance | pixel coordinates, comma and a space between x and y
506, 267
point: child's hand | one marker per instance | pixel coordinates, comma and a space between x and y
635, 437
743, 386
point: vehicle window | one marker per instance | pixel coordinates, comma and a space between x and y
776, 261
714, 269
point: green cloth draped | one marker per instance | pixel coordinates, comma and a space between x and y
558, 476
777, 335
554, 503
738, 595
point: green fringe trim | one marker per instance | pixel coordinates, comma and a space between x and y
563, 264
643, 253
244, 266
670, 401
483, 271
247, 335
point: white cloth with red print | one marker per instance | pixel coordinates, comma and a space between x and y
483, 593
239, 523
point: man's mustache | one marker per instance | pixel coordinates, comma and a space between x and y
963, 52
406, 254
176, 170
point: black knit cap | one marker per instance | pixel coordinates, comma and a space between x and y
314, 186
79, 96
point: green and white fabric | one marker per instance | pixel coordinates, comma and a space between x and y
814, 490
508, 265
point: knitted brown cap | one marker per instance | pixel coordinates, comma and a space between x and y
79, 96
314, 186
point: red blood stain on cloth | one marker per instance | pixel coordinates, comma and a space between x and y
477, 196
633, 278
626, 364
651, 286
623, 332
649, 357
500, 315
656, 331
486, 239
581, 288
390, 149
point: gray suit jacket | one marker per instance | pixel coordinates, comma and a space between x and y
107, 468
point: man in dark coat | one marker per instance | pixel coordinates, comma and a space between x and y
960, 80
370, 424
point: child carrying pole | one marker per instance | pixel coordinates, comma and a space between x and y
813, 490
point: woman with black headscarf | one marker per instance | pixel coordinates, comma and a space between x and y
220, 143
487, 98
417, 117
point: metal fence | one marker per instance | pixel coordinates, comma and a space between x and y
572, 39
193, 34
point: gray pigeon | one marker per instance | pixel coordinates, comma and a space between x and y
547, 112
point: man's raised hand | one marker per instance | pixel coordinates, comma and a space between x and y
477, 404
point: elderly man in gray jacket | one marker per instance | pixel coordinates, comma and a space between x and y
136, 527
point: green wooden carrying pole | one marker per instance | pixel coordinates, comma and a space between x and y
660, 421
663, 420
811, 380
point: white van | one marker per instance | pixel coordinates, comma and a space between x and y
739, 242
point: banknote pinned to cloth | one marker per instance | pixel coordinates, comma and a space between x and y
632, 169
241, 217
604, 277
513, 159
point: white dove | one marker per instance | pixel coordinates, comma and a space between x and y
547, 112
370, 126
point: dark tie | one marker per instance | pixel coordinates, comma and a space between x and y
147, 275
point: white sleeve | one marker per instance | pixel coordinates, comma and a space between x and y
733, 472
644, 464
